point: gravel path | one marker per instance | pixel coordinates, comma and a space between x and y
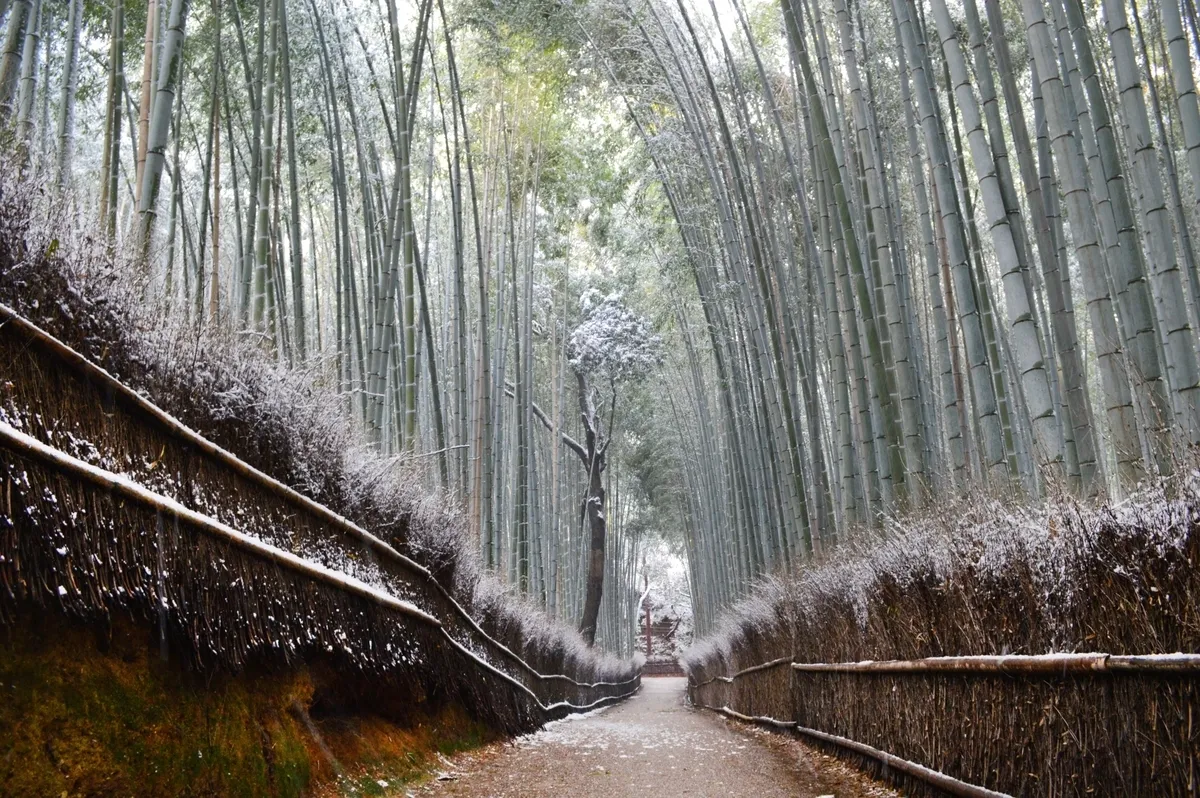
651, 745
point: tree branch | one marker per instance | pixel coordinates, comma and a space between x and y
612, 414
571, 443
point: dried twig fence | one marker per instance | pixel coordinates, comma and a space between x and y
778, 683
110, 502
716, 692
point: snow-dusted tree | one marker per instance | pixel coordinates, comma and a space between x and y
611, 345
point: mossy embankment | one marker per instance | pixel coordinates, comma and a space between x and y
86, 711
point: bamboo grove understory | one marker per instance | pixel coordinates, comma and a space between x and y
742, 274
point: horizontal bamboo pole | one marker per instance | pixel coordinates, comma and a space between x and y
14, 322
947, 784
1017, 664
548, 709
1011, 664
775, 663
766, 666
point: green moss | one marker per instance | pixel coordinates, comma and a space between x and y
79, 720
475, 736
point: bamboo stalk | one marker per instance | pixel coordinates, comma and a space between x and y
147, 94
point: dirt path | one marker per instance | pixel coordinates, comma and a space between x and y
653, 745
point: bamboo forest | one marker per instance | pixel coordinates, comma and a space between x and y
382, 380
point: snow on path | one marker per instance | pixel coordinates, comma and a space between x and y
653, 745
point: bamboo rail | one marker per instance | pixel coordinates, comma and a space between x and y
22, 444
78, 362
775, 663
766, 666
1030, 664
1062, 664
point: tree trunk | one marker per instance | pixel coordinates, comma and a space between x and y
593, 511
593, 455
